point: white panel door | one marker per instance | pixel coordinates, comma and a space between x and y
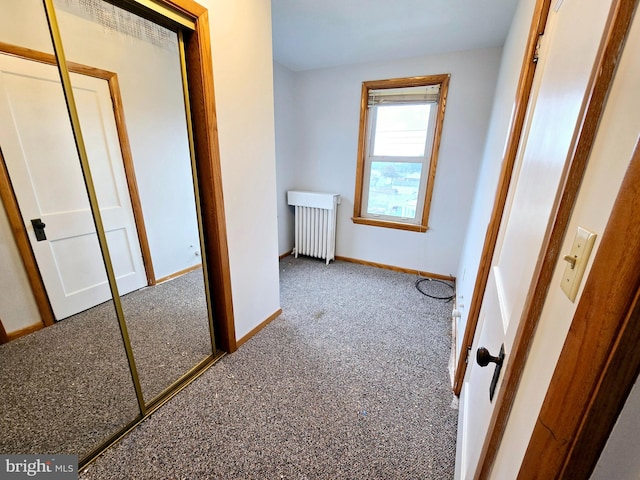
567, 55
38, 147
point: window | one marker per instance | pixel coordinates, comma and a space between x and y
400, 129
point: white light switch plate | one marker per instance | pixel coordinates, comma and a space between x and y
580, 250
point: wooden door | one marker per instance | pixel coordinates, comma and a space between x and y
39, 151
567, 55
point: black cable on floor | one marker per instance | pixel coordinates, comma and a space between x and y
448, 298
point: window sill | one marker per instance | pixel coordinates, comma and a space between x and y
387, 224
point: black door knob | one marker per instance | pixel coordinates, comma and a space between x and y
38, 228
484, 358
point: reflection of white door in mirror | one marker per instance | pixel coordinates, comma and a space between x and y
39, 150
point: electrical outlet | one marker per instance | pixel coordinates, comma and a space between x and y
577, 262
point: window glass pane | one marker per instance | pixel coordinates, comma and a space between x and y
401, 130
393, 189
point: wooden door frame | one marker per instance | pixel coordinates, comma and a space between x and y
201, 90
601, 79
523, 93
583, 404
3, 334
11, 206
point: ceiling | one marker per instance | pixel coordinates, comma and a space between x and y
309, 34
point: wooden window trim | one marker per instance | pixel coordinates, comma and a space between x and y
443, 81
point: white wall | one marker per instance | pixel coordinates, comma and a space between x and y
488, 176
614, 144
286, 146
327, 120
243, 77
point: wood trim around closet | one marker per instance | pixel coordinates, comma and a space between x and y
205, 132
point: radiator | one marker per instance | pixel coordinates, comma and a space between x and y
315, 223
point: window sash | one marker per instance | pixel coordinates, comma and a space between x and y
423, 160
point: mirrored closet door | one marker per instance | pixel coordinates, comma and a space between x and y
101, 228
133, 119
68, 387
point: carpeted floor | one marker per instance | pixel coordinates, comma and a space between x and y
349, 382
67, 388
168, 326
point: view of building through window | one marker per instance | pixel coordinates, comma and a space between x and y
400, 131
393, 189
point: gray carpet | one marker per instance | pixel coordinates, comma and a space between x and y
67, 388
349, 382
169, 330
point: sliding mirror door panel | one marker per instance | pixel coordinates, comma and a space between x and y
127, 80
67, 387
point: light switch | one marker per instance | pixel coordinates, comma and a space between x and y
577, 262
